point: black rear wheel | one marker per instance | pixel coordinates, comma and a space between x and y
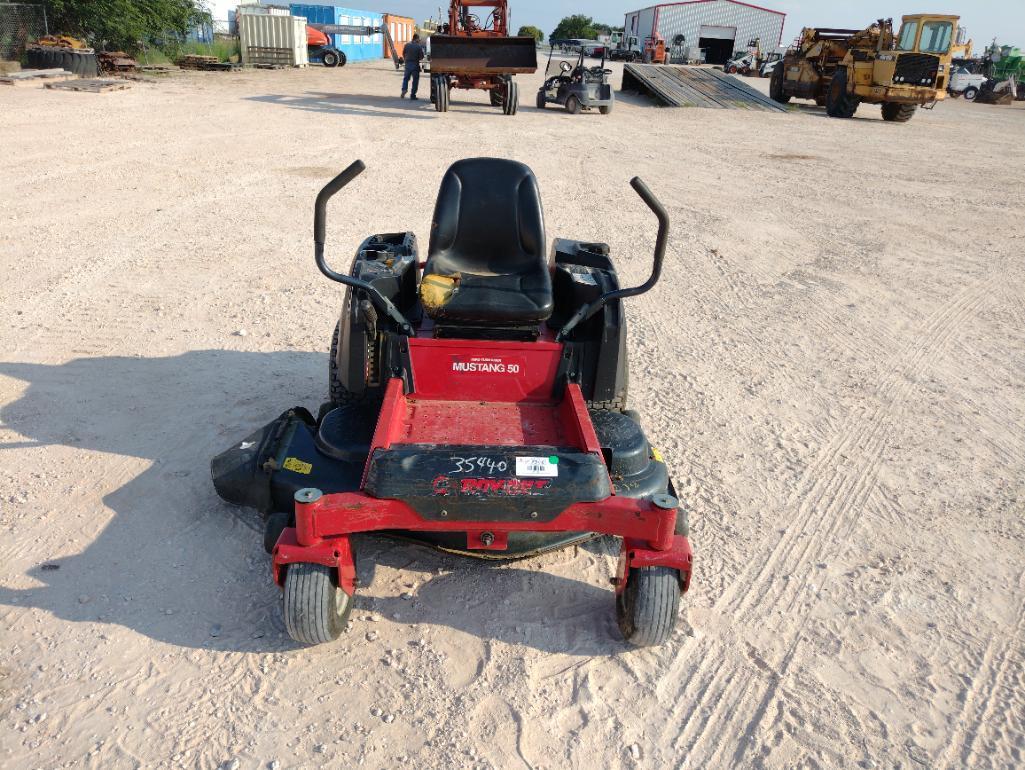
776, 85
540, 102
339, 394
572, 105
647, 608
330, 59
898, 113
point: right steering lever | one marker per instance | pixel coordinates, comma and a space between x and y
659, 210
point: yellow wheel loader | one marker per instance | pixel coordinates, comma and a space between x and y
841, 68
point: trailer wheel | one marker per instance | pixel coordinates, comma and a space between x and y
511, 97
898, 113
647, 607
330, 59
495, 97
315, 609
541, 101
970, 93
572, 105
839, 103
776, 86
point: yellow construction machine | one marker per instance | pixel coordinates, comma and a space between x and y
841, 68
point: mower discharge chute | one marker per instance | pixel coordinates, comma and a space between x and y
478, 407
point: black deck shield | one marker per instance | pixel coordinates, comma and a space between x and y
479, 483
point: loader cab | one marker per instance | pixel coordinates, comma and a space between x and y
927, 34
923, 53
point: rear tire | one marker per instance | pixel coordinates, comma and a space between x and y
898, 113
330, 59
540, 102
338, 393
572, 105
647, 608
495, 97
605, 109
839, 103
315, 609
776, 86
970, 93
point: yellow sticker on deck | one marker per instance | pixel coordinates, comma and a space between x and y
657, 455
296, 465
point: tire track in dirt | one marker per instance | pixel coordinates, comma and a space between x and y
990, 683
827, 501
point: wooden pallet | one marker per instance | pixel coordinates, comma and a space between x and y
35, 77
678, 85
92, 85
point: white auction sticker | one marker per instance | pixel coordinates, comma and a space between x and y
543, 467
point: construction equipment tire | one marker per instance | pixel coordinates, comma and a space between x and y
511, 97
839, 103
776, 86
898, 113
330, 59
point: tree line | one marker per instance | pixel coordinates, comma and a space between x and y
577, 26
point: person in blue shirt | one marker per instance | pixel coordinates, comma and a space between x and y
412, 55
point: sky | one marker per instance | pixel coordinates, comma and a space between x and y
985, 19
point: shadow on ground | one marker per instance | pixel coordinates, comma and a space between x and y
177, 564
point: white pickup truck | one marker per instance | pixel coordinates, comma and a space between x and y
965, 83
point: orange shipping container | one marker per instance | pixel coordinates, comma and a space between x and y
401, 29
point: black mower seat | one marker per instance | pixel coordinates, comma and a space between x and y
486, 261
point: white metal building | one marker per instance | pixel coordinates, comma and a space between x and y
718, 27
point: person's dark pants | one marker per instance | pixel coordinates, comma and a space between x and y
414, 73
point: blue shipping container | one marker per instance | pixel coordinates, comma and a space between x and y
355, 47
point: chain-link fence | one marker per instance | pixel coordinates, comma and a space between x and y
20, 23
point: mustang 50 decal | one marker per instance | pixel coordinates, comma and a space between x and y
484, 365
444, 486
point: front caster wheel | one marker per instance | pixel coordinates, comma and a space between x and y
315, 609
647, 607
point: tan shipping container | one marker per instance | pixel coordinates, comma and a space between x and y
273, 39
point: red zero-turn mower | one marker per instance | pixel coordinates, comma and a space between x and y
480, 408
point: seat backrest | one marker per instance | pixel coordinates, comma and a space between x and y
487, 220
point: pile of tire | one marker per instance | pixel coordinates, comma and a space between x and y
80, 61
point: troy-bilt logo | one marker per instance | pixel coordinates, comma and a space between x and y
484, 365
444, 486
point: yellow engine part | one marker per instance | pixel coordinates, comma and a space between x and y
61, 41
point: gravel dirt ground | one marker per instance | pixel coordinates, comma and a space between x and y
833, 365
